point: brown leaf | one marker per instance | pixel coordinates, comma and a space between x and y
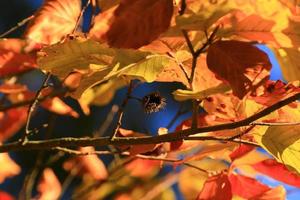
8, 167
14, 58
241, 64
134, 23
49, 186
216, 188
11, 121
54, 20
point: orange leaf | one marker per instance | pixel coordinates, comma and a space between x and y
89, 164
8, 167
11, 121
12, 88
240, 64
216, 188
13, 57
49, 186
278, 171
54, 20
246, 187
136, 149
143, 168
134, 23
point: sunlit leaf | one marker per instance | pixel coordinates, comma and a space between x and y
182, 95
277, 171
12, 88
241, 64
216, 187
289, 62
283, 142
5, 196
49, 186
88, 164
143, 168
15, 57
8, 167
140, 21
53, 21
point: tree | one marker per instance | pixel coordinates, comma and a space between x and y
210, 47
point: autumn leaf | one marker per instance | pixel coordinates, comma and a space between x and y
143, 168
293, 32
278, 171
240, 64
288, 59
49, 186
8, 167
242, 150
88, 164
246, 187
140, 21
135, 149
11, 121
105, 5
12, 88
282, 142
5, 196
276, 91
53, 21
216, 188
15, 57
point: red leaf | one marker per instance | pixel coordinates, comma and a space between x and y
49, 186
216, 188
11, 121
13, 57
242, 150
246, 187
276, 91
5, 196
134, 23
278, 171
54, 20
241, 64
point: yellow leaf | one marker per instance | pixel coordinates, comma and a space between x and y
289, 61
182, 95
283, 142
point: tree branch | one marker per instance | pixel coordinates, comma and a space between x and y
171, 137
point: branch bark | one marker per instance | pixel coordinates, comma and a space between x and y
171, 137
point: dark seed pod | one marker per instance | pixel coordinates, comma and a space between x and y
153, 102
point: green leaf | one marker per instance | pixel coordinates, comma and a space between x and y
182, 95
283, 142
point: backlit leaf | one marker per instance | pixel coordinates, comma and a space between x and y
277, 171
53, 21
216, 188
140, 21
15, 57
49, 186
283, 142
8, 167
289, 61
241, 64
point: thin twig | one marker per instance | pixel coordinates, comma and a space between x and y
107, 121
175, 136
19, 24
32, 108
275, 123
121, 110
80, 15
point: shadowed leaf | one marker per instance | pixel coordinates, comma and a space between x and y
240, 64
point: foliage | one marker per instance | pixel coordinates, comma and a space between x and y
209, 47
